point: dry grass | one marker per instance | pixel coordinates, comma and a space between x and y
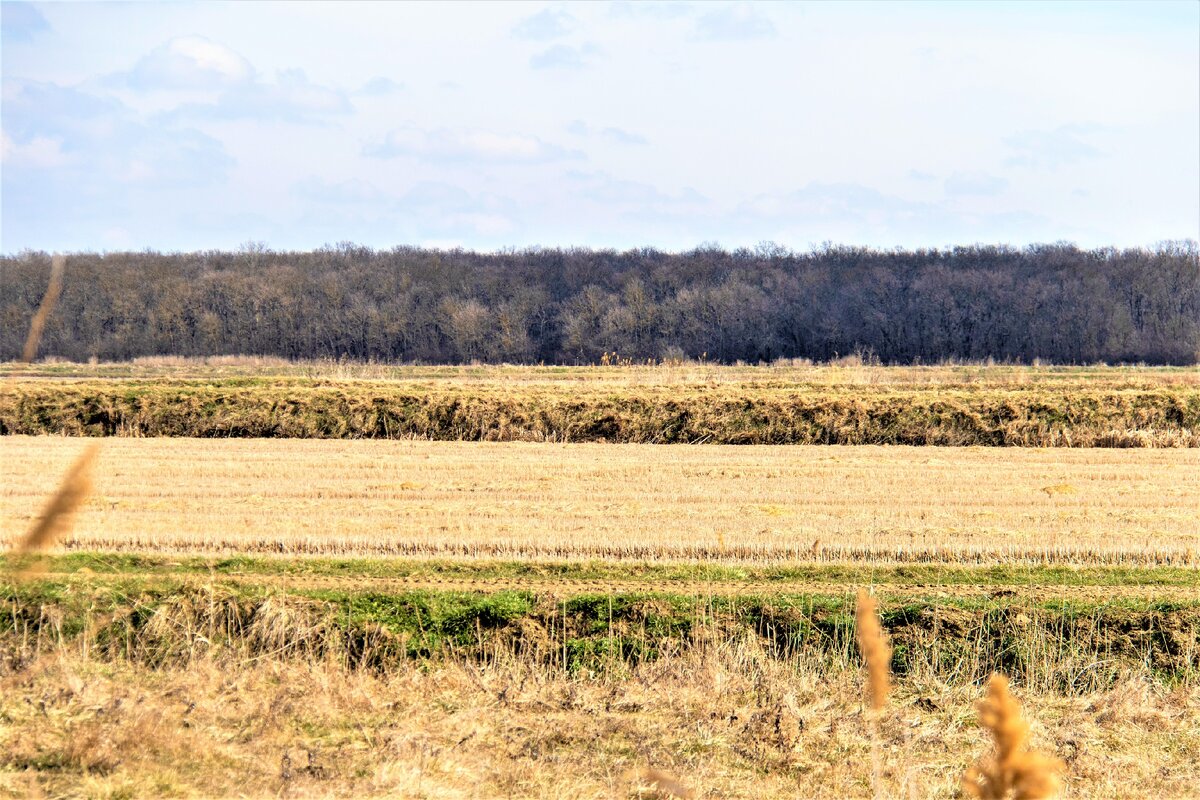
1013, 770
729, 722
618, 501
786, 373
53, 289
876, 652
1132, 410
55, 519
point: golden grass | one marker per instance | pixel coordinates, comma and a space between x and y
730, 722
56, 516
1014, 770
58, 265
785, 373
875, 649
1130, 410
519, 500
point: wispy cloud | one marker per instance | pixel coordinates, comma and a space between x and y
564, 56
651, 9
380, 86
619, 135
734, 23
602, 188
80, 139
447, 145
425, 208
40, 152
545, 25
975, 183
1052, 149
21, 22
194, 63
187, 62
291, 98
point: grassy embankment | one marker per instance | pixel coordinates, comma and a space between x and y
991, 406
1068, 630
156, 676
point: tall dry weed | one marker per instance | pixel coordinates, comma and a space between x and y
1013, 771
876, 651
56, 516
58, 265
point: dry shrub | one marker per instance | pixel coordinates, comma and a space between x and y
876, 651
1013, 770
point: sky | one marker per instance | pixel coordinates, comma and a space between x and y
181, 126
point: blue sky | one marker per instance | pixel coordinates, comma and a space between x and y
194, 126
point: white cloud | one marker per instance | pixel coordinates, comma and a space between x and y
426, 207
975, 183
545, 25
619, 135
188, 62
734, 23
20, 22
1051, 149
88, 140
291, 98
564, 56
380, 86
602, 188
652, 9
40, 152
447, 145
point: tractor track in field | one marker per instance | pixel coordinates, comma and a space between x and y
567, 587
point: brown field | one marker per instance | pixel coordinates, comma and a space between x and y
744, 504
849, 371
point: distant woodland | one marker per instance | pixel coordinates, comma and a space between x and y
1054, 302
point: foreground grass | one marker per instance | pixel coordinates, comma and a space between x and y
726, 721
991, 406
545, 502
132, 676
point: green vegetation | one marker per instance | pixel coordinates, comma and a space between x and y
535, 572
958, 623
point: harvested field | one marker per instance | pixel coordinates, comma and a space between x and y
540, 501
950, 406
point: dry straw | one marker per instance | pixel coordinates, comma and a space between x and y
58, 265
55, 519
1013, 771
661, 783
876, 652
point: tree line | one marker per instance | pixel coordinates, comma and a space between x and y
1053, 302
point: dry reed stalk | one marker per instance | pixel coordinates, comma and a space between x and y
55, 519
57, 266
876, 652
1013, 770
661, 783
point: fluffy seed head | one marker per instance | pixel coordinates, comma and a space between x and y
876, 652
